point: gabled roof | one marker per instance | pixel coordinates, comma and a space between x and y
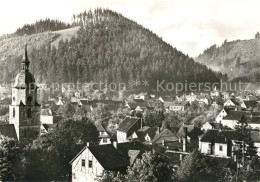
235, 101
141, 133
209, 136
109, 157
165, 135
8, 130
250, 103
127, 123
235, 115
219, 136
228, 109
49, 127
225, 135
125, 147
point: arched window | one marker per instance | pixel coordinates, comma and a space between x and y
13, 112
29, 113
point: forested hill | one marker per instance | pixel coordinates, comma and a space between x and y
240, 59
107, 47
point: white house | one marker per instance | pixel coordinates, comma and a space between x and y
127, 127
103, 134
232, 119
46, 116
176, 105
217, 142
91, 162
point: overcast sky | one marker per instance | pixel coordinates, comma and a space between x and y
189, 25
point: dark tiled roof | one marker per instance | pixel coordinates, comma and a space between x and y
225, 135
109, 157
228, 109
209, 136
235, 115
250, 103
141, 133
127, 123
235, 101
8, 130
219, 136
49, 126
165, 135
125, 147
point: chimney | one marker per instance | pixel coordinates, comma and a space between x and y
115, 144
87, 144
141, 122
185, 139
158, 130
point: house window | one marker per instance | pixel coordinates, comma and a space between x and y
29, 113
83, 163
104, 140
220, 148
13, 112
90, 163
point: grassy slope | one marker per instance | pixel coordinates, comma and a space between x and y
15, 45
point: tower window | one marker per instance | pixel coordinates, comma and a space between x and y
13, 98
29, 99
29, 113
13, 112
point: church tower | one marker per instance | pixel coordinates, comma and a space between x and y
24, 112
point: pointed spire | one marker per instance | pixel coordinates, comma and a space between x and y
25, 60
25, 56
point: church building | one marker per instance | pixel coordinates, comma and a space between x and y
24, 111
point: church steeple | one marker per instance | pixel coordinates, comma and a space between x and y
25, 61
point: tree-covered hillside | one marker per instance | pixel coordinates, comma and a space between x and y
111, 48
239, 59
42, 26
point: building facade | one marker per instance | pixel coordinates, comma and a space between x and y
24, 111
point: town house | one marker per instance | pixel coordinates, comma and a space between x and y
127, 127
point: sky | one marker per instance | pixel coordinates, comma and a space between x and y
189, 25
